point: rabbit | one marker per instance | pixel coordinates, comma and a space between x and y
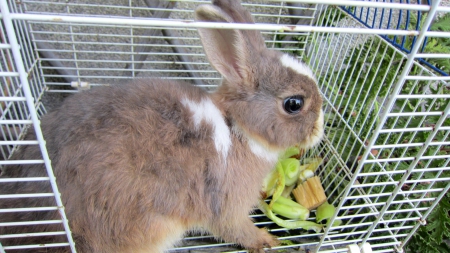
139, 165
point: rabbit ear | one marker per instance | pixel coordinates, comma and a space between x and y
235, 10
239, 14
226, 49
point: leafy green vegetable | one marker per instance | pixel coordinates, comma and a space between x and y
308, 225
290, 152
280, 184
269, 183
291, 168
290, 209
325, 212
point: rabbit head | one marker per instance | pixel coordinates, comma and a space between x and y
271, 97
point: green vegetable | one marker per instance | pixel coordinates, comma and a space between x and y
290, 209
280, 184
289, 152
325, 212
308, 225
288, 191
291, 168
305, 174
269, 183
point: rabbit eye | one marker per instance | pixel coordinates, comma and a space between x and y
293, 104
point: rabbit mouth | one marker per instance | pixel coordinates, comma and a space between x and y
316, 134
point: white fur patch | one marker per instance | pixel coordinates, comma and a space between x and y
300, 67
257, 148
262, 151
208, 112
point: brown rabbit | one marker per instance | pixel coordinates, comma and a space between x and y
140, 164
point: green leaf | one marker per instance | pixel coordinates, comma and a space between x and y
442, 24
430, 238
439, 222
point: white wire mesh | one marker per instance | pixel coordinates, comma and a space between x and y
386, 150
380, 183
101, 53
22, 88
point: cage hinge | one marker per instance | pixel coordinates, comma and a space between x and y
81, 85
399, 248
360, 248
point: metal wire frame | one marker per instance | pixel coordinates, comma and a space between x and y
28, 115
363, 184
366, 195
79, 46
74, 56
374, 18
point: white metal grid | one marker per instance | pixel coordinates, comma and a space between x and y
20, 110
145, 47
384, 166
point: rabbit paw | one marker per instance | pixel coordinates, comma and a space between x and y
265, 240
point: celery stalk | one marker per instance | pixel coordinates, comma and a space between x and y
269, 183
308, 225
288, 191
290, 209
291, 168
289, 152
280, 184
288, 202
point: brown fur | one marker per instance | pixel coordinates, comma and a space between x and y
135, 172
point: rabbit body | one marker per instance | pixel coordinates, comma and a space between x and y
137, 168
140, 164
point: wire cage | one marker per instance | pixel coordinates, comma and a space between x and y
382, 69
